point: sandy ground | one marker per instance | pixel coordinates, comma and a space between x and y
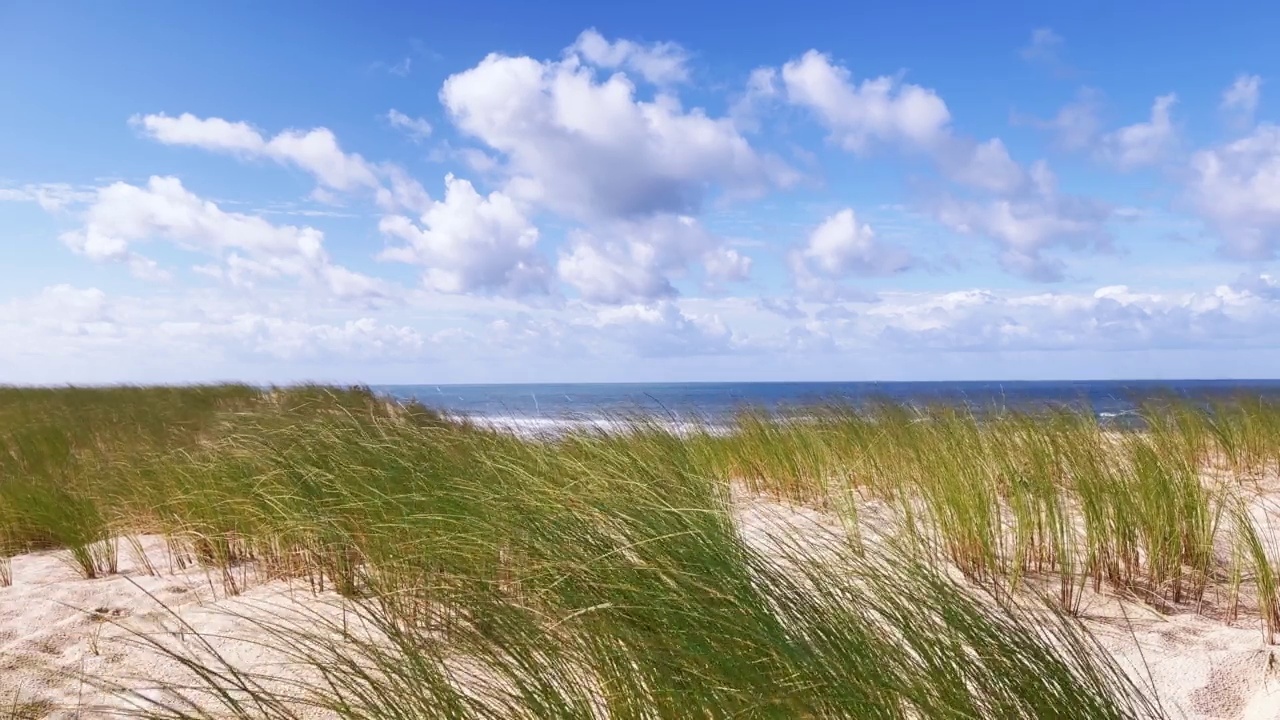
57, 629
61, 634
1201, 668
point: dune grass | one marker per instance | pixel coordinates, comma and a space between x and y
603, 576
1056, 494
608, 574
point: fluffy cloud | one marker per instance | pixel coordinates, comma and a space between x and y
315, 151
598, 136
362, 338
1240, 101
416, 128
66, 333
591, 150
207, 133
783, 307
123, 216
888, 111
402, 192
61, 309
630, 261
662, 329
469, 242
1111, 318
634, 172
882, 109
1077, 127
985, 166
660, 63
1116, 318
1236, 189
1144, 143
1020, 208
1026, 223
839, 248
1023, 210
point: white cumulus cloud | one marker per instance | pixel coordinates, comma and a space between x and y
286, 339
636, 260
123, 216
881, 109
470, 242
590, 149
660, 63
1110, 318
1144, 143
839, 248
315, 151
1236, 189
983, 165
597, 230
61, 309
662, 329
1026, 223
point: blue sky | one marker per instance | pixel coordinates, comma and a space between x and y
506, 192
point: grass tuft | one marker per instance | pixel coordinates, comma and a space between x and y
465, 572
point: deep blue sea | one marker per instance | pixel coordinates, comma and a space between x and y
562, 405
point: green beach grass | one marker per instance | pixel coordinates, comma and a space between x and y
607, 574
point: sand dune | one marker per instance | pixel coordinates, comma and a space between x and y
60, 635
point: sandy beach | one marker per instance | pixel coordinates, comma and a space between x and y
316, 552
62, 635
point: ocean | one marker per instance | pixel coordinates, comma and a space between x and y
558, 406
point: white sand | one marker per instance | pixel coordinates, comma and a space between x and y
58, 629
53, 633
1200, 667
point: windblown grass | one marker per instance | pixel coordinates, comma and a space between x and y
606, 573
602, 577
1055, 494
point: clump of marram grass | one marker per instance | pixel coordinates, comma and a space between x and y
609, 561
889, 639
69, 457
1249, 544
43, 515
1000, 495
1004, 495
603, 577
